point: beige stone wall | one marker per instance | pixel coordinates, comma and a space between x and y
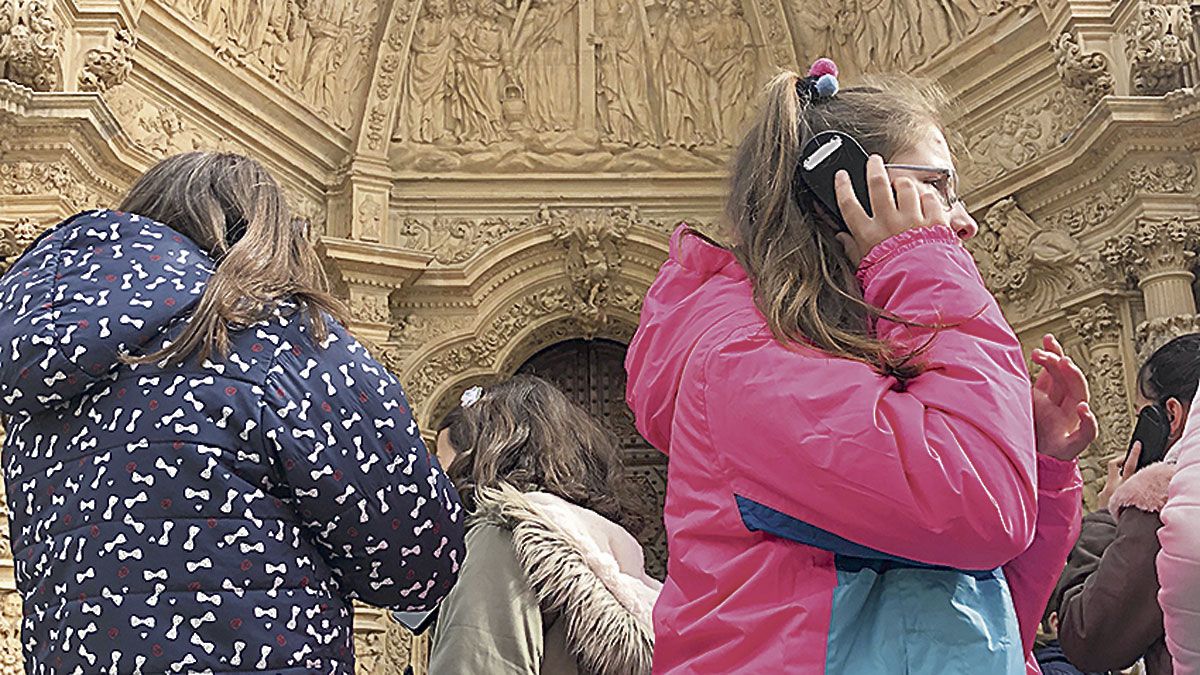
487, 183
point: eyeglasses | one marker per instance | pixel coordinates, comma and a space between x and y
946, 184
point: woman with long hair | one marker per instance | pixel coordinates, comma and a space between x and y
203, 467
553, 582
856, 479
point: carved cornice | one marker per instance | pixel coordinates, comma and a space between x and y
1168, 176
374, 265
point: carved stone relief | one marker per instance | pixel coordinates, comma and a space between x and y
1155, 333
1158, 43
160, 128
1021, 260
11, 610
456, 240
592, 240
1086, 73
480, 352
915, 31
1155, 246
35, 178
105, 68
1099, 328
315, 49
493, 86
15, 237
1021, 135
30, 43
386, 652
1169, 176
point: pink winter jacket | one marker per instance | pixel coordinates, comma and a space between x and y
822, 517
1179, 560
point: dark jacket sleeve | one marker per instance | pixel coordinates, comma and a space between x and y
385, 517
1111, 619
1097, 533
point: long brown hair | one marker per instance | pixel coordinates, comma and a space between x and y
210, 198
803, 282
527, 433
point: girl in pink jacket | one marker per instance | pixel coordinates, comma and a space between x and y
1179, 560
853, 485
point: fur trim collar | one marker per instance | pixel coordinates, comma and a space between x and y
1146, 490
587, 569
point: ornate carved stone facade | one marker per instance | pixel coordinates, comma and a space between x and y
492, 177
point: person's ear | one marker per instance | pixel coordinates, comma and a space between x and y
1054, 622
1177, 413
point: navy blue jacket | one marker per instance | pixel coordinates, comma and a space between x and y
214, 516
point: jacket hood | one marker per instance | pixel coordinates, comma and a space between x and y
585, 567
1145, 490
99, 285
697, 286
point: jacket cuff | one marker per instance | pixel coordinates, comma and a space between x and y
899, 243
1055, 475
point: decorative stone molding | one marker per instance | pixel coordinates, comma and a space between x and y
15, 237
1022, 261
481, 351
35, 178
1155, 333
369, 274
1097, 325
1020, 136
592, 240
30, 44
1086, 73
105, 68
456, 240
1158, 44
1157, 246
1169, 176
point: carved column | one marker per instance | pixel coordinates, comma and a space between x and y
367, 274
1159, 254
1099, 327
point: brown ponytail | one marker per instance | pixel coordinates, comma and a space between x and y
204, 194
803, 282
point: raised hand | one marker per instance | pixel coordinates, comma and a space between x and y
1062, 419
898, 206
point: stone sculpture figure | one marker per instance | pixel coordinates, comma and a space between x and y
623, 93
686, 120
29, 46
545, 50
481, 52
426, 84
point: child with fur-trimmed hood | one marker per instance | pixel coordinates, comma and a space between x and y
551, 582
